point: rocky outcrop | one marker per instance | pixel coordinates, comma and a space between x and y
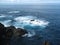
6, 33
2, 34
46, 43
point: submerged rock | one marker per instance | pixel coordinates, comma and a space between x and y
32, 20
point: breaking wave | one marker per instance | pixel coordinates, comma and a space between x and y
30, 21
26, 22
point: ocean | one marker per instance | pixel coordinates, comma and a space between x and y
45, 24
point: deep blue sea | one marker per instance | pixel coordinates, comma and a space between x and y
46, 24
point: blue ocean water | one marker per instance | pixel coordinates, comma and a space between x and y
37, 34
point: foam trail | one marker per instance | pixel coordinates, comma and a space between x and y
1, 16
30, 34
14, 12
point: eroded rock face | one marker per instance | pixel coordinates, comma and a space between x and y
6, 33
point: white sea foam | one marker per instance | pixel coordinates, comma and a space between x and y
28, 22
32, 21
14, 12
1, 16
23, 21
6, 23
29, 34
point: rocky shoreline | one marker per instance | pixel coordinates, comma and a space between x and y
6, 33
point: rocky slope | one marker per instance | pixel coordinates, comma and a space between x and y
6, 33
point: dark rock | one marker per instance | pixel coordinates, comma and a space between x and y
9, 34
1, 25
21, 31
46, 43
2, 34
32, 20
10, 28
6, 33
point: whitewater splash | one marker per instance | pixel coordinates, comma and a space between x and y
31, 21
26, 22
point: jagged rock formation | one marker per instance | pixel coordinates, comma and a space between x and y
2, 34
6, 33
